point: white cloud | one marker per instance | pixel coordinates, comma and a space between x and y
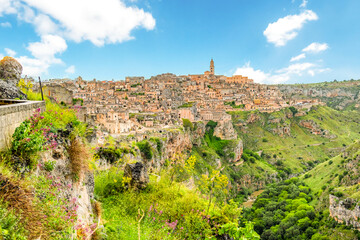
316, 47
282, 75
56, 21
70, 70
304, 3
297, 68
101, 22
7, 7
48, 47
32, 66
10, 52
5, 24
44, 53
298, 57
285, 29
257, 75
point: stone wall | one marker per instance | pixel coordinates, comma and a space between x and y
12, 114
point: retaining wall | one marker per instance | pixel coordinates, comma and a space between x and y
12, 114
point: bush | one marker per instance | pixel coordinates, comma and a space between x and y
26, 144
339, 194
187, 124
49, 166
110, 154
293, 110
10, 226
145, 148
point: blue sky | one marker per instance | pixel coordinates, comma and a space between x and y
271, 41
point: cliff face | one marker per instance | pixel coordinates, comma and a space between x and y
315, 129
225, 130
345, 211
79, 192
336, 94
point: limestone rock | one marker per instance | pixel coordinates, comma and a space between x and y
10, 69
253, 118
315, 129
9, 91
225, 130
138, 174
78, 193
345, 211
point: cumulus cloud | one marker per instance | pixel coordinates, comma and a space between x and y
70, 70
6, 25
44, 55
58, 21
10, 52
101, 22
281, 75
304, 3
298, 57
316, 47
257, 75
287, 28
8, 7
48, 47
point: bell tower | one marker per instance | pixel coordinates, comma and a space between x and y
212, 67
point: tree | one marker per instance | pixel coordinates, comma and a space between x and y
245, 233
293, 110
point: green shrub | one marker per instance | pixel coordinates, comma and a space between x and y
10, 226
26, 144
145, 148
339, 194
49, 165
187, 124
110, 154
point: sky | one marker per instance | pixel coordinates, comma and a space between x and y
270, 41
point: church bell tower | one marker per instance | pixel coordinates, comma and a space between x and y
212, 67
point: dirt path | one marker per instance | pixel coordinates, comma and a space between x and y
252, 199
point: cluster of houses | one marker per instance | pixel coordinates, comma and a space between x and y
164, 100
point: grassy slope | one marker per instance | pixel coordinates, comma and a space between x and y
328, 174
302, 146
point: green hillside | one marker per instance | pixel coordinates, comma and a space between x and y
300, 150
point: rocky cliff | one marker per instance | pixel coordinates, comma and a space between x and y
345, 211
336, 94
78, 192
10, 73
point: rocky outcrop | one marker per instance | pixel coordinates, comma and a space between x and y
10, 73
79, 192
10, 69
238, 150
315, 129
345, 211
253, 118
10, 91
336, 94
137, 172
225, 130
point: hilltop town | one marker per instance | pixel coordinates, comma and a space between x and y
163, 100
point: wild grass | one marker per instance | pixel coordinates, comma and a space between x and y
79, 158
172, 211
